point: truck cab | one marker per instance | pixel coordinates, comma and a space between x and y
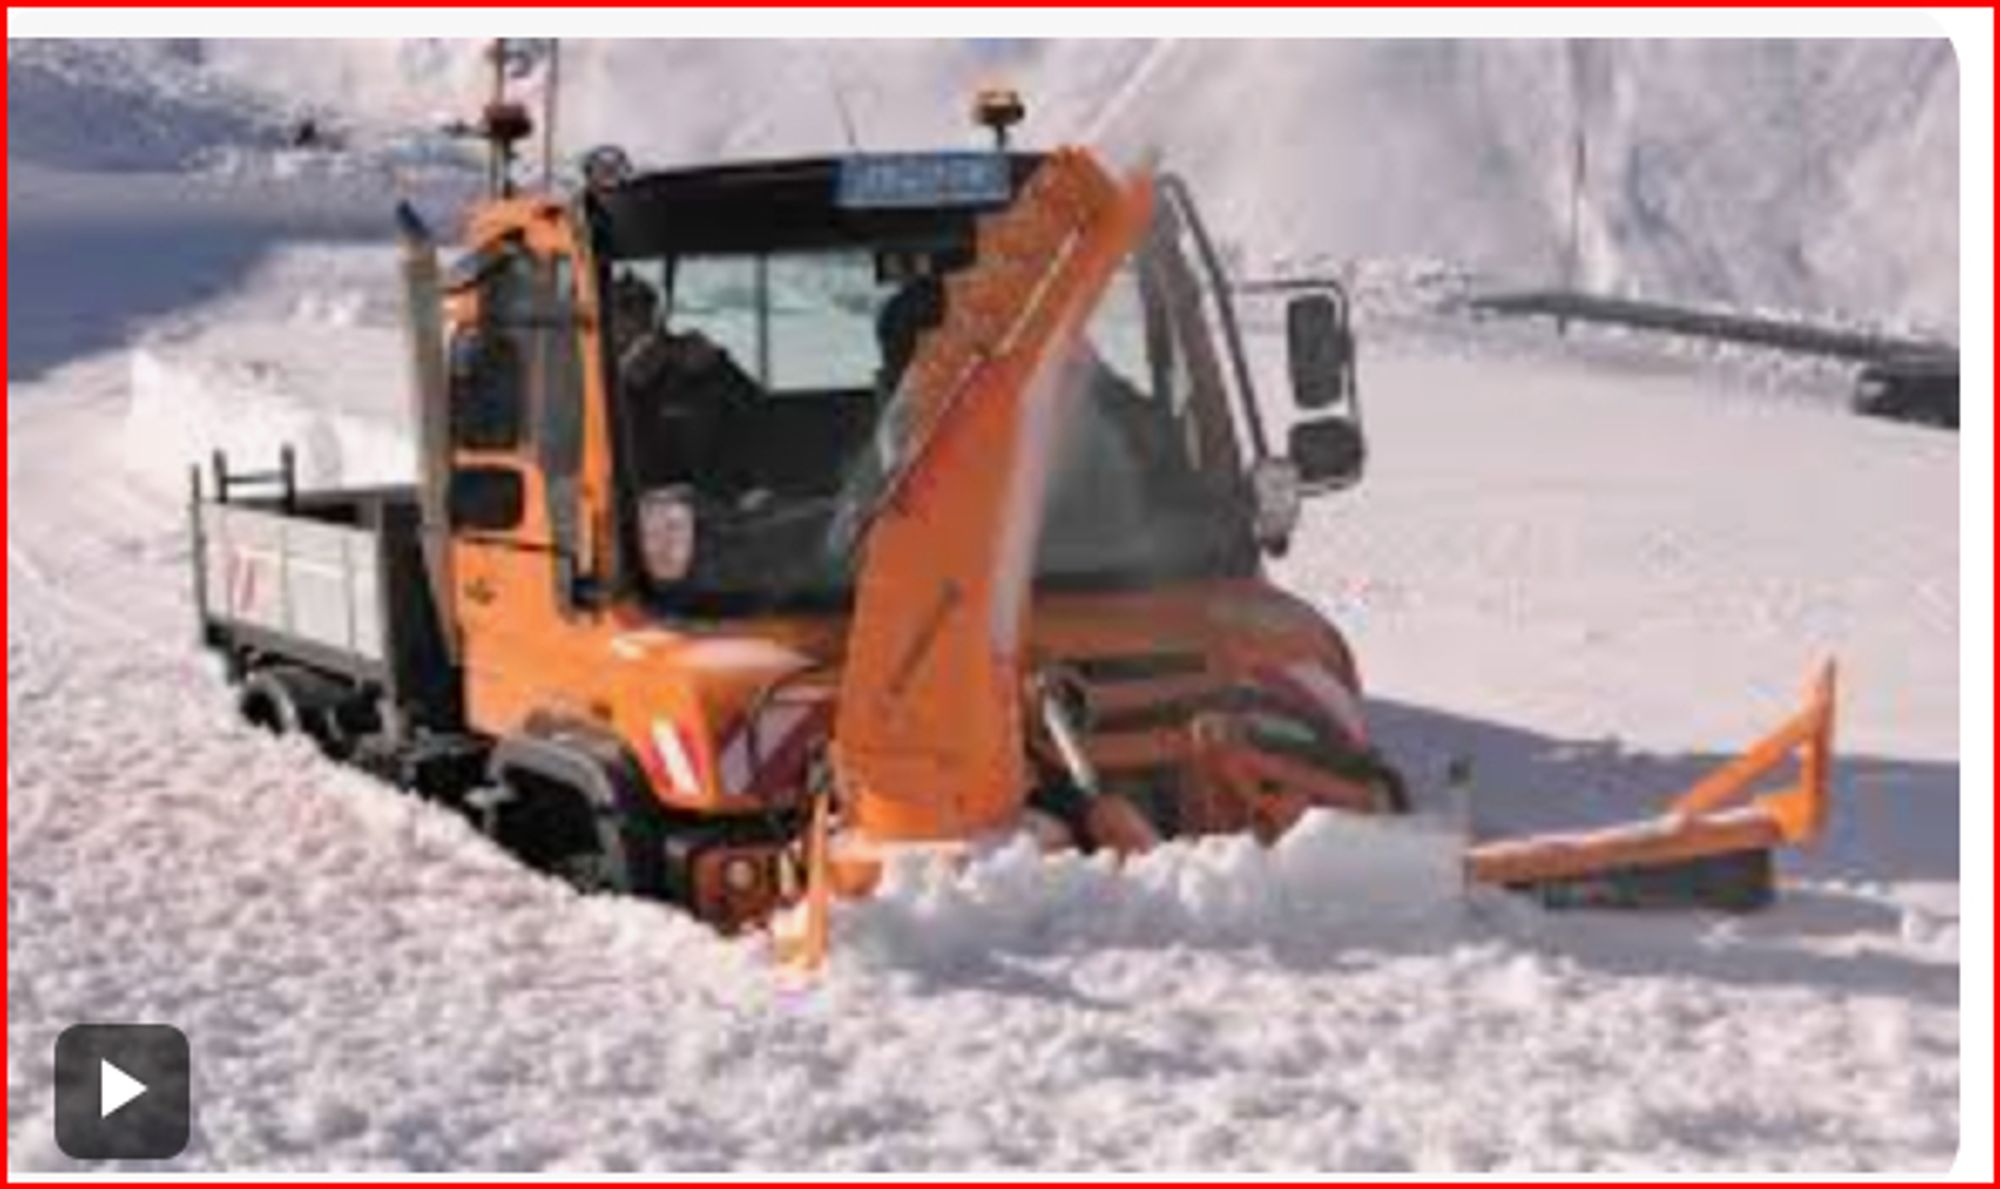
708, 456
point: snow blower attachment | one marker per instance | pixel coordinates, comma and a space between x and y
1712, 848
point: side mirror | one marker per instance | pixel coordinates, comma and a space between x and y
487, 499
1330, 454
1320, 344
1328, 449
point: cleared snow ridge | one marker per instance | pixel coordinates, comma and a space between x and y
1333, 881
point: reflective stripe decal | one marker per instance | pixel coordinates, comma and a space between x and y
675, 759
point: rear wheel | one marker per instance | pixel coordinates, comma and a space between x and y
286, 700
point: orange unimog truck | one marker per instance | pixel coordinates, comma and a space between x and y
776, 517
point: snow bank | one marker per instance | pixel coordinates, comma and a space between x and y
1336, 880
182, 411
317, 362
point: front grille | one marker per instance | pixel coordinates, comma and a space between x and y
1155, 716
1155, 791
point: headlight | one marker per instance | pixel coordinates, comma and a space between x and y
740, 875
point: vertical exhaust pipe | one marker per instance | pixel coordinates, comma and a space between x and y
422, 317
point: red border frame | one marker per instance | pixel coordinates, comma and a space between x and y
179, 1179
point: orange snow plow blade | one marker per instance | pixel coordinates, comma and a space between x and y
1711, 848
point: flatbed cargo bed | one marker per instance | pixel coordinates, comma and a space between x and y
330, 581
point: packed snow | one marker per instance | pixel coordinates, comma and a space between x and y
1583, 569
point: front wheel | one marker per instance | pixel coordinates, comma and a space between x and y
594, 849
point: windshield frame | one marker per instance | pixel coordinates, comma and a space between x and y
1162, 250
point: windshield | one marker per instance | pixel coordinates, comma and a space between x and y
758, 388
801, 323
1131, 494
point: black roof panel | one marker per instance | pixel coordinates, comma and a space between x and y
765, 207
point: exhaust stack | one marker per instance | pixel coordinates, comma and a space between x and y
432, 411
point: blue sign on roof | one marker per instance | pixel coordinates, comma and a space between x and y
912, 180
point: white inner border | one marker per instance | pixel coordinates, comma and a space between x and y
1971, 34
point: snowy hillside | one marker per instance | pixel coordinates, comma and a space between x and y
1813, 176
1810, 176
1590, 568
115, 106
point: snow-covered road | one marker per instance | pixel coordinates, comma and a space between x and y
1585, 578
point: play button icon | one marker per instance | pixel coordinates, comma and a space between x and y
122, 1092
115, 1088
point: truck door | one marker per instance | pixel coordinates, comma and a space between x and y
515, 379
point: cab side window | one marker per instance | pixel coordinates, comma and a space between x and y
559, 416
490, 358
485, 391
559, 371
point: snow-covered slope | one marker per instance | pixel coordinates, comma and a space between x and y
1818, 176
1742, 172
140, 180
122, 106
1814, 176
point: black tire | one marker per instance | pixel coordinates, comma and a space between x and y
285, 700
585, 822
